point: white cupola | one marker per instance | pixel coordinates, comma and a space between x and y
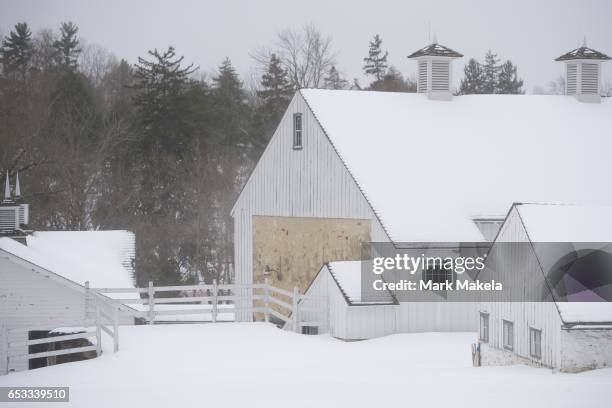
434, 70
583, 73
14, 213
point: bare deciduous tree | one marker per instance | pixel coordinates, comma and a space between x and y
95, 62
306, 54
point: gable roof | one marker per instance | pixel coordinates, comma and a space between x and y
347, 275
571, 224
429, 167
101, 257
583, 53
435, 50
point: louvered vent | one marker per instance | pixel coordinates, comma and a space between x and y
422, 84
9, 217
590, 79
439, 76
24, 214
571, 79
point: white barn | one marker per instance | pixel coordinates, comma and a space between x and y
43, 275
346, 167
570, 336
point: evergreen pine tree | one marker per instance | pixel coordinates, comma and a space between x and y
490, 73
275, 93
66, 48
508, 81
376, 61
333, 80
393, 81
232, 118
276, 90
17, 50
162, 162
472, 82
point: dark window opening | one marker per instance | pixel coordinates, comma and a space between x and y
535, 343
508, 335
297, 131
438, 275
312, 330
484, 327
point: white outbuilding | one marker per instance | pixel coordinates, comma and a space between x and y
44, 275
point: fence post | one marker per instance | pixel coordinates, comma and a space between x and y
98, 331
296, 312
115, 328
4, 352
214, 310
266, 299
151, 303
87, 299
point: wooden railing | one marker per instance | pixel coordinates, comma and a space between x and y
205, 300
105, 313
105, 317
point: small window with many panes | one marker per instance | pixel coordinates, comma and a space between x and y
297, 131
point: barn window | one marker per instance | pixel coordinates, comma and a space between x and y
508, 335
535, 343
438, 275
297, 131
484, 327
312, 330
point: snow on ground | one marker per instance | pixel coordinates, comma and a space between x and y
257, 365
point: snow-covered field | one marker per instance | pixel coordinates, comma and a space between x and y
257, 365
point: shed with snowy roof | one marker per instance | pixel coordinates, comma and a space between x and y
44, 274
348, 167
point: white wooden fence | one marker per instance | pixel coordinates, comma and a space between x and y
106, 318
260, 298
104, 313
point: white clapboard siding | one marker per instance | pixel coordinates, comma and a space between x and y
543, 316
310, 182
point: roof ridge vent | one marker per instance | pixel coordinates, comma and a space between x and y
434, 70
583, 72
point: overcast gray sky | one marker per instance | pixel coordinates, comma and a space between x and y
531, 33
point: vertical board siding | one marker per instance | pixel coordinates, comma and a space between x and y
324, 286
314, 182
522, 271
311, 182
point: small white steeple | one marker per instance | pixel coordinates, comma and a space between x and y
17, 187
7, 188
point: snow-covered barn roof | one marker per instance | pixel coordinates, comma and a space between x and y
568, 223
429, 167
104, 258
347, 275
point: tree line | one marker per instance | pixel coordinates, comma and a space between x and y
154, 148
